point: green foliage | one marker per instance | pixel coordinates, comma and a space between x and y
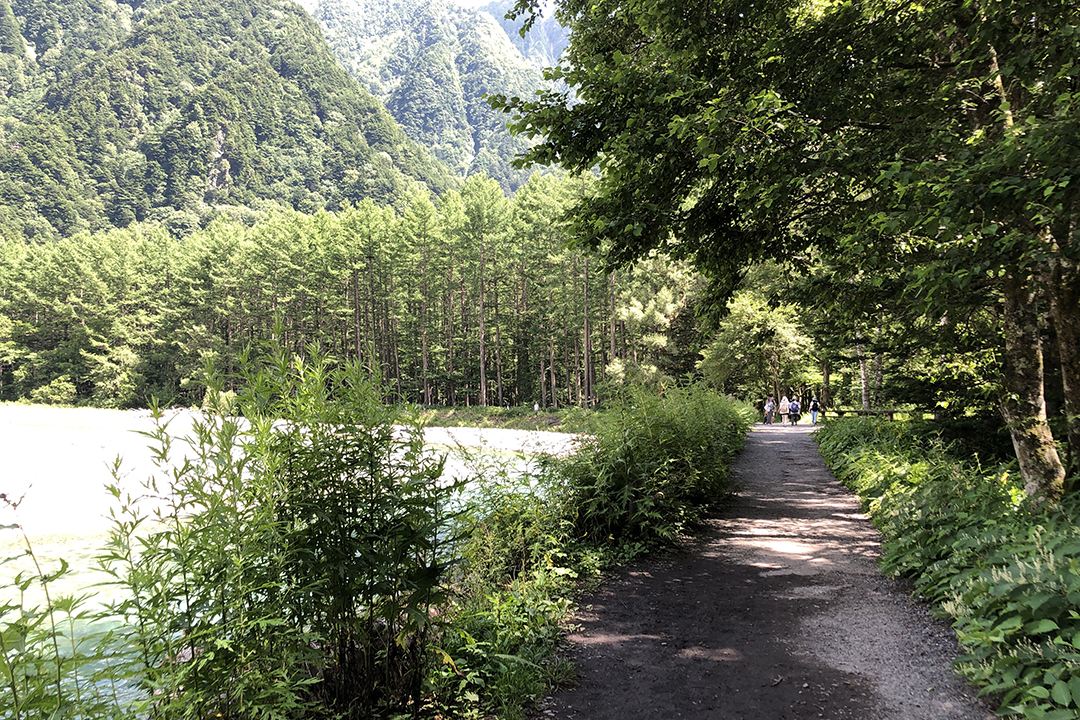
929, 163
474, 301
432, 63
189, 108
54, 658
60, 391
1006, 574
654, 465
757, 350
294, 566
300, 555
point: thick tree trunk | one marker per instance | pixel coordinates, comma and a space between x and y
1063, 287
1024, 406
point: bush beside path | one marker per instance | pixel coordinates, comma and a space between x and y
777, 610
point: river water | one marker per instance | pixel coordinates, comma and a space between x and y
56, 462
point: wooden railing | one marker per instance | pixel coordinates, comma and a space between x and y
841, 412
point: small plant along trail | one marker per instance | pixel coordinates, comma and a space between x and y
776, 611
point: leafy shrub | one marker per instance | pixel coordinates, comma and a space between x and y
1008, 576
654, 465
290, 565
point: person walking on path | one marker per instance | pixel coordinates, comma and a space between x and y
776, 610
815, 408
794, 411
770, 408
785, 405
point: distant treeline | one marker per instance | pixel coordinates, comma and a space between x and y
473, 300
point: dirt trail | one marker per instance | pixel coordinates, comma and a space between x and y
777, 611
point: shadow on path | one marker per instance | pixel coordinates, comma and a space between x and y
776, 611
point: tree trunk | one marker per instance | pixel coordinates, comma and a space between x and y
587, 349
357, 315
543, 385
1063, 287
450, 389
611, 329
482, 330
824, 400
498, 348
551, 351
1024, 406
879, 377
864, 373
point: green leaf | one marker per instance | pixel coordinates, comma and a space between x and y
1040, 626
1060, 693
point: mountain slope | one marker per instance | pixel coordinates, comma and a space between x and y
432, 62
202, 104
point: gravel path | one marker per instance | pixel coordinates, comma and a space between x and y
776, 611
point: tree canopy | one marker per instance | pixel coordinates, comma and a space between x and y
935, 138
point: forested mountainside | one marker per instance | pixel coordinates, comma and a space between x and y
174, 111
432, 62
542, 45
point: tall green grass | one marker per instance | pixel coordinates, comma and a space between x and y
1007, 575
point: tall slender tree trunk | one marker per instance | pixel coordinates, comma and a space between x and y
357, 315
498, 346
450, 389
569, 373
551, 365
824, 384
551, 351
481, 334
587, 349
611, 327
879, 377
1024, 406
543, 385
578, 371
864, 373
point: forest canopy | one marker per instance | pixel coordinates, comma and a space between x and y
925, 147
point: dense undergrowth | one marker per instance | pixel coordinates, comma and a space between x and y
1006, 573
301, 559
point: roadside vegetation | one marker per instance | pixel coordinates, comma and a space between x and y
1004, 569
309, 562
